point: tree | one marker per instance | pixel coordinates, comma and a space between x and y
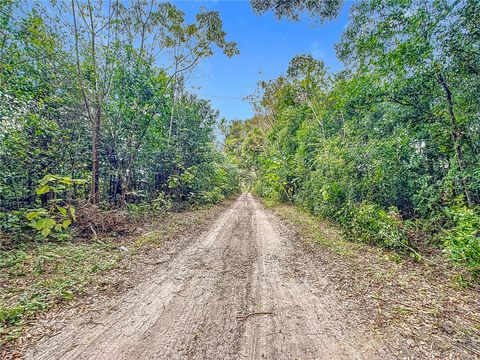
95, 38
36, 93
163, 29
129, 63
405, 42
137, 34
292, 9
391, 142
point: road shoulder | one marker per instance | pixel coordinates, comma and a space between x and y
416, 306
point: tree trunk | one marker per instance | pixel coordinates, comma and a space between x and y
95, 181
125, 185
456, 136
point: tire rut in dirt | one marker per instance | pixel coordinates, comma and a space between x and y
297, 319
187, 310
242, 290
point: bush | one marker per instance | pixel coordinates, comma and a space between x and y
369, 223
210, 197
158, 206
13, 226
55, 215
216, 182
462, 240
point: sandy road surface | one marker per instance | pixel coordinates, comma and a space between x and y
242, 290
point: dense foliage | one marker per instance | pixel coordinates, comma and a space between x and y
96, 91
388, 147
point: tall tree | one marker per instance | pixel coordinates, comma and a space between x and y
292, 9
95, 31
404, 42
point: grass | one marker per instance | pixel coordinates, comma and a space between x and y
36, 276
322, 232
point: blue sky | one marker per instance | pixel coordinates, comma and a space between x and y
266, 46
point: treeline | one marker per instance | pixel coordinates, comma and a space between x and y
389, 147
95, 91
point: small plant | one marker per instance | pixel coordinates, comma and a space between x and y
180, 184
371, 224
462, 240
55, 216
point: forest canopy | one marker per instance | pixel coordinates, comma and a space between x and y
389, 146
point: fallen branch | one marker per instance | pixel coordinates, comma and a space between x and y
93, 231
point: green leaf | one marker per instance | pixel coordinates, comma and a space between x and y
72, 212
41, 224
46, 232
66, 180
47, 178
36, 225
62, 210
43, 190
49, 223
35, 213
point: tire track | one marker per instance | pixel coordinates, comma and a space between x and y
233, 293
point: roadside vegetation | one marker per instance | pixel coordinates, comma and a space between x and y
98, 137
387, 148
100, 141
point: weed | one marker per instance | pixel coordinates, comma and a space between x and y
46, 274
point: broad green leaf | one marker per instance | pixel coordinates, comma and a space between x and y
33, 214
46, 231
62, 210
43, 190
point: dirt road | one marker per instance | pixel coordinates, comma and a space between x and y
242, 290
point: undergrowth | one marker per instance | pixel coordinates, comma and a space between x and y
456, 233
37, 276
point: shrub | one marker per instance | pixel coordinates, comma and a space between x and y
158, 206
12, 227
210, 197
369, 223
55, 215
462, 240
